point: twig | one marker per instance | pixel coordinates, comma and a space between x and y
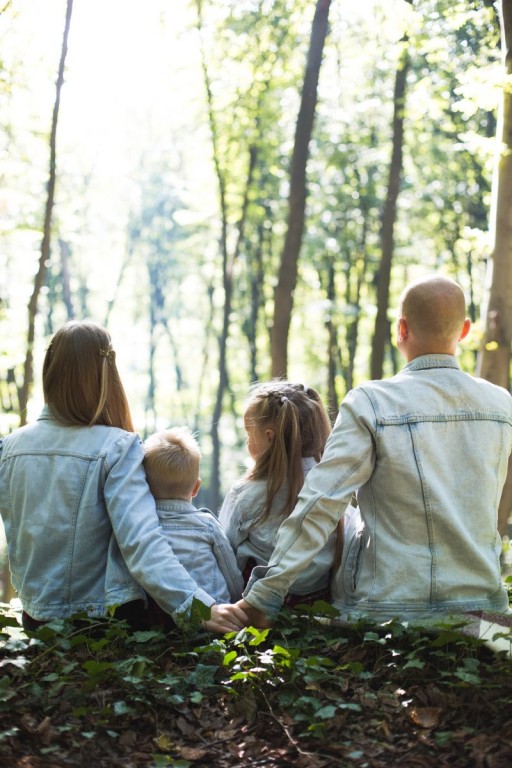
289, 736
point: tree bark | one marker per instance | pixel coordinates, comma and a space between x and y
28, 371
333, 349
227, 279
229, 259
382, 332
495, 352
67, 296
287, 277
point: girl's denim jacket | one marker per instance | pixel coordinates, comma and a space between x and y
255, 539
427, 452
81, 524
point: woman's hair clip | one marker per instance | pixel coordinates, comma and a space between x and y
109, 353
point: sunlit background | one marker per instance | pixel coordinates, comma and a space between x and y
136, 181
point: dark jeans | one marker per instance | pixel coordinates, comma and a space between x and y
292, 600
134, 613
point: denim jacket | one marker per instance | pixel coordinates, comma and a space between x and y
81, 524
255, 539
427, 452
202, 547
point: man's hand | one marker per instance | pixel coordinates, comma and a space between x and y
226, 618
256, 618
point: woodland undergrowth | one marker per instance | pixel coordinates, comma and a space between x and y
305, 694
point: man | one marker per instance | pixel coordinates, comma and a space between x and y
427, 453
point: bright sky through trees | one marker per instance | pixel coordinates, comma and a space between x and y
133, 104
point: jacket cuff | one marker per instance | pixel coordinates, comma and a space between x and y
183, 612
264, 599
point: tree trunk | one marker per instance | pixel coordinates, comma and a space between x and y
67, 297
256, 278
382, 330
495, 353
28, 373
228, 267
149, 407
287, 278
494, 359
333, 351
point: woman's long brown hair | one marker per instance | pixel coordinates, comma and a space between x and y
81, 383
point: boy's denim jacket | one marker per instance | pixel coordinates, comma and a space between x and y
81, 524
427, 451
255, 539
202, 547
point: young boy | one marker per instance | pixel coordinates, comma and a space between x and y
172, 469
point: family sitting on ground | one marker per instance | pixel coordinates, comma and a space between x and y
98, 522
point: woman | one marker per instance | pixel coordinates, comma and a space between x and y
81, 524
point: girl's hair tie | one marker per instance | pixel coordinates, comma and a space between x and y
284, 399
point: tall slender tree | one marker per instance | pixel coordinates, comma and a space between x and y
495, 354
28, 372
288, 268
381, 334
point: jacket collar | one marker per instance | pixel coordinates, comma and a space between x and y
432, 361
46, 413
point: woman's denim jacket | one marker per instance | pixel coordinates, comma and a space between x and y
255, 539
81, 524
427, 451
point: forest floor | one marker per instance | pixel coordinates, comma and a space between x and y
302, 694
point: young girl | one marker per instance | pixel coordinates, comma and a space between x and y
287, 427
81, 525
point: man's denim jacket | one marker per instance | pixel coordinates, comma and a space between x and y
81, 524
427, 452
202, 547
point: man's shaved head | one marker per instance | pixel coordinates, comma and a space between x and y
434, 308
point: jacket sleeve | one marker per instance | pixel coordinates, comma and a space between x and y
347, 463
227, 563
231, 518
145, 549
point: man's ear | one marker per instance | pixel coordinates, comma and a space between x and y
402, 329
465, 329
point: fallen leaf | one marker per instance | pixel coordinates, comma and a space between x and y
193, 753
425, 717
224, 734
186, 727
164, 742
128, 739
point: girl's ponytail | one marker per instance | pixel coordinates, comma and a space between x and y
301, 427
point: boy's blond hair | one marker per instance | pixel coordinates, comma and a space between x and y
171, 461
